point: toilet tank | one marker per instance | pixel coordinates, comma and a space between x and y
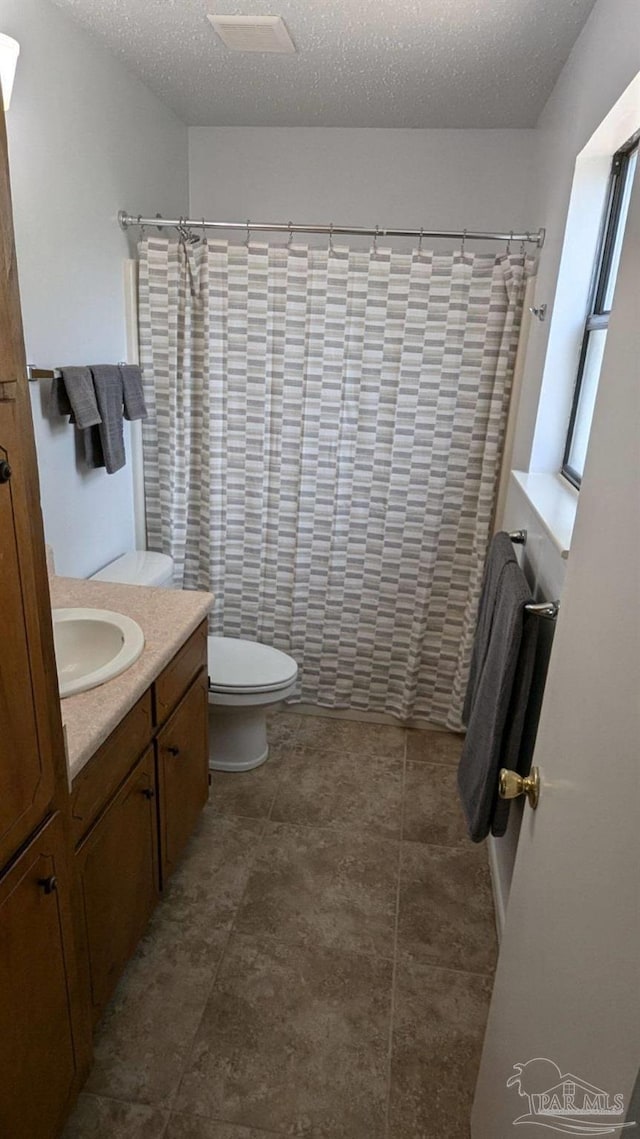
139, 567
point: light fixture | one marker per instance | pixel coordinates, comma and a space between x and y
9, 52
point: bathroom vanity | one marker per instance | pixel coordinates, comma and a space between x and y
87, 845
139, 776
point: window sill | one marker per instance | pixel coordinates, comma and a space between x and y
555, 502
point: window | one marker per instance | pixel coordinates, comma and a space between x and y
597, 322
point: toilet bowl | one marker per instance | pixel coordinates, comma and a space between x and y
246, 678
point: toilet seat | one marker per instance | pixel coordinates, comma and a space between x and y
244, 667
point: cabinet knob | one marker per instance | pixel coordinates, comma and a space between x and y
148, 792
173, 750
48, 885
5, 471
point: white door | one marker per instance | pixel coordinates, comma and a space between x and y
567, 989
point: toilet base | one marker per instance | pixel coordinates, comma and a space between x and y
238, 737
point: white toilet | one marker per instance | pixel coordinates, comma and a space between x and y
245, 680
245, 677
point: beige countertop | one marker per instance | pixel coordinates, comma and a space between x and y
166, 616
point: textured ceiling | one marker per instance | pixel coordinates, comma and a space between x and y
382, 63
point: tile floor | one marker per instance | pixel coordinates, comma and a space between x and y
321, 965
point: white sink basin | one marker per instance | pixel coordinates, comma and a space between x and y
92, 646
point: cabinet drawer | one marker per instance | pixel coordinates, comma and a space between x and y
179, 673
97, 782
117, 870
183, 772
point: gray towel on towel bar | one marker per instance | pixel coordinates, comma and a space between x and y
73, 394
512, 751
107, 381
134, 405
526, 704
496, 651
92, 447
59, 402
499, 554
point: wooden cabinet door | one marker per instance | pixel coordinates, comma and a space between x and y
37, 1055
26, 780
117, 866
32, 762
183, 771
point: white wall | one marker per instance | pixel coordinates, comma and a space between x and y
86, 138
604, 60
566, 984
436, 178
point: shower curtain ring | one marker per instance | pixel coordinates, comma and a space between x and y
290, 241
375, 240
509, 240
331, 239
204, 233
248, 232
523, 249
420, 239
464, 241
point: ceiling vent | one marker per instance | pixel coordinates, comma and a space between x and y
253, 33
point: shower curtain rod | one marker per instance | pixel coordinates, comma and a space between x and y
126, 220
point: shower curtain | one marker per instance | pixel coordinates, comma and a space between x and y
323, 448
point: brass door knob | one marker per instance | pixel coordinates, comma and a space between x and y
511, 785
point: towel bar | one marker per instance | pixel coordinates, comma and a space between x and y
34, 374
544, 609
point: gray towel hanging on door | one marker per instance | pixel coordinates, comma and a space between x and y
496, 652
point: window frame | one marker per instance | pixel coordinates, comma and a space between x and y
597, 316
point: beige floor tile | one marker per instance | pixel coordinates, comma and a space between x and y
282, 726
439, 1021
432, 810
250, 794
351, 736
149, 1025
316, 886
97, 1118
209, 883
293, 1040
325, 787
434, 747
294, 1037
194, 1127
147, 1030
446, 907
